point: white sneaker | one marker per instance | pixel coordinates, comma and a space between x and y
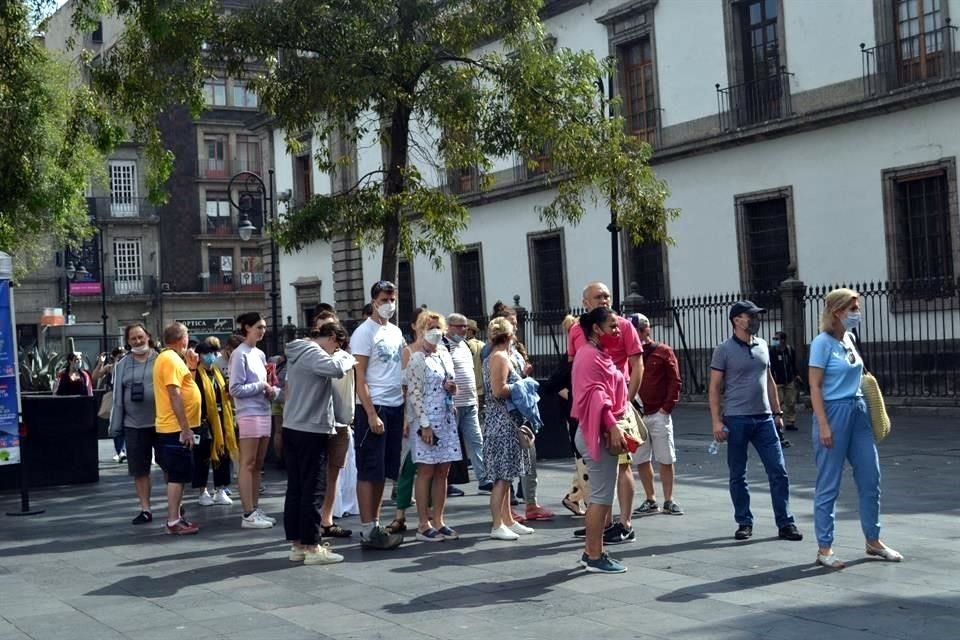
296, 553
254, 521
264, 516
521, 530
116, 457
205, 499
321, 555
503, 533
221, 497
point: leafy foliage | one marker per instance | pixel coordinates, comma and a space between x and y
55, 132
413, 73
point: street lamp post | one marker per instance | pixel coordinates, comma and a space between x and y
605, 89
249, 186
104, 348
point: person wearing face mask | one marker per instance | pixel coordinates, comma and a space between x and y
134, 412
740, 367
783, 365
378, 423
465, 400
309, 421
218, 441
842, 429
432, 425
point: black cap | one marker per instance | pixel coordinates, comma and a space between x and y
745, 306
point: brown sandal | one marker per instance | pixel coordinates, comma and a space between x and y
397, 526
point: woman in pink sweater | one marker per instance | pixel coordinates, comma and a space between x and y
600, 400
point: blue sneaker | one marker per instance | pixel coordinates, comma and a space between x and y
584, 559
605, 564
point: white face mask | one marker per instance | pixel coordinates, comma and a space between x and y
456, 339
386, 310
433, 336
142, 349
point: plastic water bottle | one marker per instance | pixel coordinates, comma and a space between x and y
714, 447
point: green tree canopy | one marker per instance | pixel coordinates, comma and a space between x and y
55, 132
398, 68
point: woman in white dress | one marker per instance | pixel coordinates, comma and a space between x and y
435, 442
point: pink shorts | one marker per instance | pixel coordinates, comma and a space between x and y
254, 426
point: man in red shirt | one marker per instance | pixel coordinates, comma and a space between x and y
659, 392
626, 351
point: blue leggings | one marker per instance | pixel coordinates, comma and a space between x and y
852, 440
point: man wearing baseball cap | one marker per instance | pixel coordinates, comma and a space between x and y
740, 370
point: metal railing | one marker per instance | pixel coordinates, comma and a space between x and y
927, 57
235, 281
118, 206
462, 181
754, 102
909, 334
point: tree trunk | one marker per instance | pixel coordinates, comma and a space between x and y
395, 184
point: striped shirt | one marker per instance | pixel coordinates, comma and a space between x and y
463, 375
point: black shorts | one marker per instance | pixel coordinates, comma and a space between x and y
378, 455
175, 459
140, 443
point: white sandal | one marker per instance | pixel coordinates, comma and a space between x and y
830, 561
885, 553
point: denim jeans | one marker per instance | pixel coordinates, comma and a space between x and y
852, 440
759, 431
468, 423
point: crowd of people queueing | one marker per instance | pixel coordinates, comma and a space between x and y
410, 411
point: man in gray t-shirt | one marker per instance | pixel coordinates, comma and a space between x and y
740, 370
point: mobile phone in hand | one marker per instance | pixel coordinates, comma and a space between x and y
632, 443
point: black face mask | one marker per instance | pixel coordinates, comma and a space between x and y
753, 326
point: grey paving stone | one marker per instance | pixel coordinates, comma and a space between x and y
687, 580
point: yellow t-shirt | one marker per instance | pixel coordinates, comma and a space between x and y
169, 369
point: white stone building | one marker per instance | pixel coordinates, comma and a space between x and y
813, 138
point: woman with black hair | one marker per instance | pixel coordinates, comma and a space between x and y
252, 394
598, 405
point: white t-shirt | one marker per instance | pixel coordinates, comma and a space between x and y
383, 345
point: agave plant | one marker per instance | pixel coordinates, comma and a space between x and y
38, 369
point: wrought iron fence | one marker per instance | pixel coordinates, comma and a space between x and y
909, 335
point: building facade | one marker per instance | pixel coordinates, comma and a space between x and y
806, 139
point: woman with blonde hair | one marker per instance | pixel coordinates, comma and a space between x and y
505, 459
432, 425
842, 429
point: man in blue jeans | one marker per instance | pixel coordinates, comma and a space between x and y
468, 419
740, 370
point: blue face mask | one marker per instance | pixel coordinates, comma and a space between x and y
209, 359
775, 342
851, 321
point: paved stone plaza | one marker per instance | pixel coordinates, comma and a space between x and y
80, 571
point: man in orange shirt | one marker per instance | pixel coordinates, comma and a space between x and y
178, 420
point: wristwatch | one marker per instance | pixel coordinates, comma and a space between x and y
778, 414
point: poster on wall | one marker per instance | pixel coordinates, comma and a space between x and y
9, 390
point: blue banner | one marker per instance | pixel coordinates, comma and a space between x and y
9, 381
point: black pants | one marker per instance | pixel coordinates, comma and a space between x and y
305, 455
202, 464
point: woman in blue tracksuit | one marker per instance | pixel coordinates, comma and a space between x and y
842, 429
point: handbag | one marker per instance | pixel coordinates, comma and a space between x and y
526, 436
106, 405
873, 398
876, 407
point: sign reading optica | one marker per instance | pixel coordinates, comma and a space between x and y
209, 325
9, 382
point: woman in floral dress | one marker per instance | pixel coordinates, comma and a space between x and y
501, 444
432, 421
